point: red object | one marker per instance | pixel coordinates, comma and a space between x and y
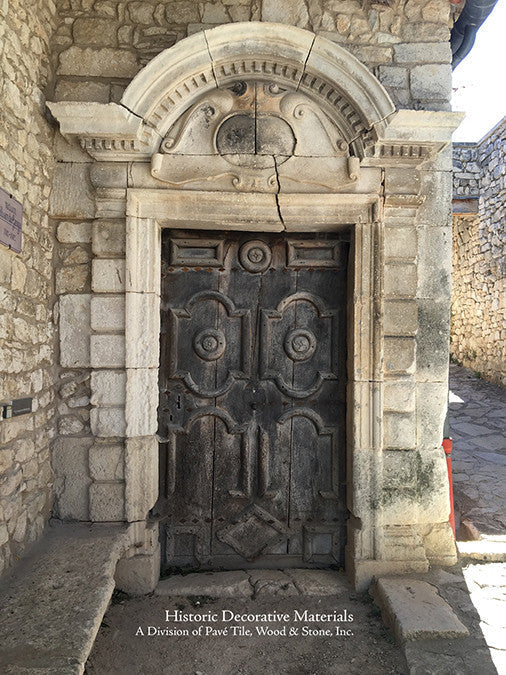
447, 447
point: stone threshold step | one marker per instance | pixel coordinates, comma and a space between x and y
254, 583
53, 601
413, 610
483, 550
434, 636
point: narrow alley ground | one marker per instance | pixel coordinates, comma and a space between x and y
477, 412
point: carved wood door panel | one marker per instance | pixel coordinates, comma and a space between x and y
252, 408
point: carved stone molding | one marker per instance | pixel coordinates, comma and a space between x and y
256, 137
325, 93
292, 58
413, 137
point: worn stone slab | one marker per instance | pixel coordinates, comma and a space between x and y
70, 467
141, 476
424, 658
484, 550
255, 583
54, 600
75, 312
72, 194
318, 582
272, 582
413, 610
212, 584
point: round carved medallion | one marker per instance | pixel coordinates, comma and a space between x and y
255, 256
300, 344
209, 344
249, 140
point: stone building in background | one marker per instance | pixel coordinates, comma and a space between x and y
300, 419
478, 329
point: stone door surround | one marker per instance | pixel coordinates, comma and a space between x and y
157, 133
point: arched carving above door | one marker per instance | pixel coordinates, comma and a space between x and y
290, 58
255, 136
210, 66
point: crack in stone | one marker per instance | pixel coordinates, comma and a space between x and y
211, 60
276, 194
295, 585
305, 62
130, 111
363, 134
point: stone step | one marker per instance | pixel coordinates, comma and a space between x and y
413, 610
483, 550
54, 600
253, 583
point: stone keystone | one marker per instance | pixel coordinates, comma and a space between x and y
413, 610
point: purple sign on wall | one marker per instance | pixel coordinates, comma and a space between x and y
11, 218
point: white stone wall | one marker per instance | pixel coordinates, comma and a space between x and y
478, 333
27, 353
101, 45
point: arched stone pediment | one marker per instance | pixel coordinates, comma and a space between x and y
295, 60
255, 136
311, 97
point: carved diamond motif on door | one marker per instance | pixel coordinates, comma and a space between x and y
252, 531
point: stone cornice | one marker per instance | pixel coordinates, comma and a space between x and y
413, 137
297, 60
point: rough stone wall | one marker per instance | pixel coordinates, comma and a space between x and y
26, 279
478, 332
466, 171
101, 44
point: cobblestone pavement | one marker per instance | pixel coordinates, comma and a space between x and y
477, 413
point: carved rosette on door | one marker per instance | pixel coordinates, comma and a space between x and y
252, 401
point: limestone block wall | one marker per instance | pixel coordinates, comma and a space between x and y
478, 331
100, 45
27, 353
107, 278
91, 426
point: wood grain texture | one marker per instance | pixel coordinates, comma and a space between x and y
252, 403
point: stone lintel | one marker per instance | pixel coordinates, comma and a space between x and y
252, 210
466, 206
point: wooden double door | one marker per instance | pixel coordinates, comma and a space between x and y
252, 400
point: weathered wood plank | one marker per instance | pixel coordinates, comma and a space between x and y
253, 382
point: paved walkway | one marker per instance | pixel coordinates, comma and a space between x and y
478, 428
